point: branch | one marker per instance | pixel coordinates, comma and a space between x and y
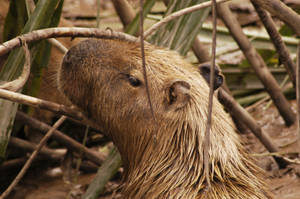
18, 83
39, 103
258, 64
237, 110
24, 145
63, 32
275, 37
124, 10
282, 11
31, 158
60, 137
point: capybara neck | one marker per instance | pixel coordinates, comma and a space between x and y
162, 156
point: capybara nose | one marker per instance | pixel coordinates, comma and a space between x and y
74, 58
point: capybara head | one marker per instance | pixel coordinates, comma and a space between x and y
162, 153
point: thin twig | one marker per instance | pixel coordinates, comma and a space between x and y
63, 32
58, 45
178, 14
31, 158
18, 83
298, 91
61, 138
279, 155
143, 57
210, 102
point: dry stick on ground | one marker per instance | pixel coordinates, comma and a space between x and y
282, 11
258, 64
277, 41
18, 83
63, 139
12, 164
31, 158
28, 146
178, 14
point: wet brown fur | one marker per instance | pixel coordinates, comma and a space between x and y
95, 77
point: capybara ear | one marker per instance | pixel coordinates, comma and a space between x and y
204, 70
178, 94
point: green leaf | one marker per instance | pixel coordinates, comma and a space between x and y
108, 169
40, 18
133, 27
179, 34
15, 20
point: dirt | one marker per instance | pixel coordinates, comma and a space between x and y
284, 183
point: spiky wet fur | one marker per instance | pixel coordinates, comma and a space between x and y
163, 157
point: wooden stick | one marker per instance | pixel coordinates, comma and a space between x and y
258, 64
125, 11
61, 138
63, 32
31, 158
28, 146
282, 11
247, 119
275, 37
18, 83
39, 103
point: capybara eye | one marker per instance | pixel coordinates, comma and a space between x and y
134, 81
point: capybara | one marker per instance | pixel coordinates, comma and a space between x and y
162, 153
